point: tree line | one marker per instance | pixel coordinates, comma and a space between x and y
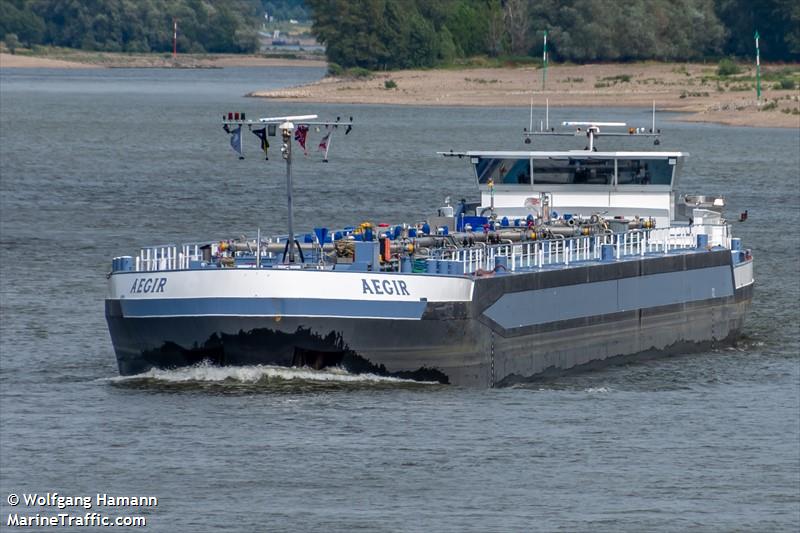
392, 34
134, 25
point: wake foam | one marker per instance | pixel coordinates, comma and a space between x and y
206, 373
598, 390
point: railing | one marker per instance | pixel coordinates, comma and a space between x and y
167, 257
514, 256
564, 251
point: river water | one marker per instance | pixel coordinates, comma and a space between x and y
96, 163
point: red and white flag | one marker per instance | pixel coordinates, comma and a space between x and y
323, 144
300, 135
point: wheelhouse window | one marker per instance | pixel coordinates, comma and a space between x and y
645, 171
503, 171
572, 170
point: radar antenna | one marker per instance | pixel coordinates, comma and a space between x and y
592, 130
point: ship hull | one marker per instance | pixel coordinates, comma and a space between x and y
498, 331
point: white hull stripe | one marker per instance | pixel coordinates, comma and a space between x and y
271, 307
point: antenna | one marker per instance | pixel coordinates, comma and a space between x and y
547, 113
542, 125
607, 124
284, 119
530, 123
653, 127
592, 129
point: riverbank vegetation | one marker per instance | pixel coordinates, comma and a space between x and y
221, 26
694, 56
400, 34
386, 34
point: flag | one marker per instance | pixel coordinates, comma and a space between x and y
300, 136
262, 134
323, 144
236, 141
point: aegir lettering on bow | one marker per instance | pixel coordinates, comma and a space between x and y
148, 285
386, 286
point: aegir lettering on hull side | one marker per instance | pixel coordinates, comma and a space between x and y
386, 286
148, 285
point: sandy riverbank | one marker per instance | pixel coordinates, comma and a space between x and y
19, 61
694, 89
78, 59
690, 88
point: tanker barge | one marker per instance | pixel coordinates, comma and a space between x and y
570, 260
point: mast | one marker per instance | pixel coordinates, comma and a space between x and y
286, 150
287, 125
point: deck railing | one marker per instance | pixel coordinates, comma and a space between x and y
514, 256
167, 257
564, 251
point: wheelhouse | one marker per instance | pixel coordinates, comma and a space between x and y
579, 182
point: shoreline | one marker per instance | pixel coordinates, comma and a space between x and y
693, 89
75, 59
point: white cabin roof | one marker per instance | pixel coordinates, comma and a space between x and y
568, 153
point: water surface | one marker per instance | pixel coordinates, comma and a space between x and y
98, 163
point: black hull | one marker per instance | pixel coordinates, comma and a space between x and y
261, 341
456, 343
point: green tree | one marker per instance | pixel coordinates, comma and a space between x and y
584, 30
12, 42
16, 17
220, 33
394, 37
495, 28
135, 25
422, 42
517, 23
468, 25
448, 50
